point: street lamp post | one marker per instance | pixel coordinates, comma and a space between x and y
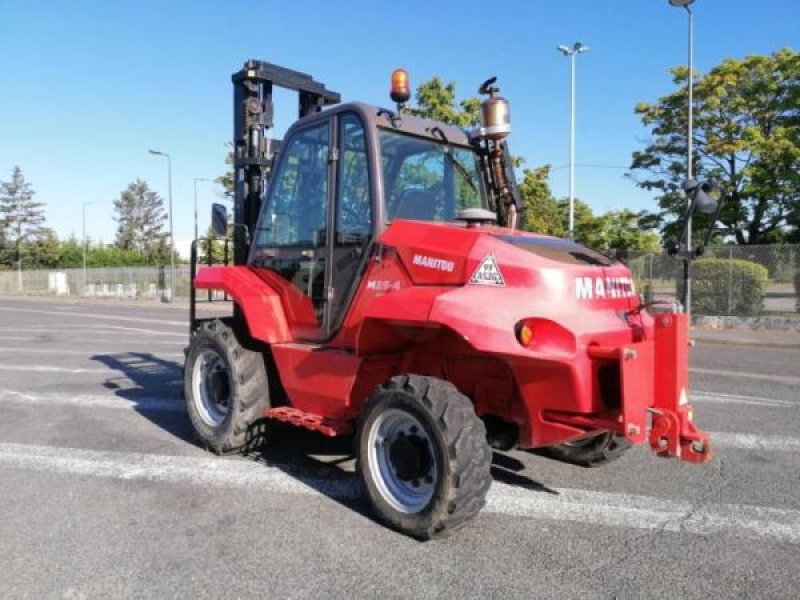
196, 179
83, 238
687, 281
171, 237
577, 48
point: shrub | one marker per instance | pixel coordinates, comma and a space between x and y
722, 286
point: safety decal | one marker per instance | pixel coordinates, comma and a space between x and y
488, 273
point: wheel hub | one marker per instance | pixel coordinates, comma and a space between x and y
402, 460
410, 456
211, 387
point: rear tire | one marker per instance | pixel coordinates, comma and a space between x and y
226, 390
423, 456
591, 452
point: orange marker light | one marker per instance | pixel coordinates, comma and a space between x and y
400, 91
524, 334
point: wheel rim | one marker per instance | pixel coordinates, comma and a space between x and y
211, 385
402, 461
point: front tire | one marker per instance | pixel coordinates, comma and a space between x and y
423, 456
226, 390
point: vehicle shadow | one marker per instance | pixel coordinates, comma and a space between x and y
154, 387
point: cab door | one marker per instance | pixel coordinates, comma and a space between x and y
353, 214
290, 249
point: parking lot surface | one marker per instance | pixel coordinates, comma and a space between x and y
104, 494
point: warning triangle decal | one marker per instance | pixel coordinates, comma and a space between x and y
488, 273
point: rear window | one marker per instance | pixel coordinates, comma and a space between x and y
562, 251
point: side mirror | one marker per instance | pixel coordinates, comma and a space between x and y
219, 220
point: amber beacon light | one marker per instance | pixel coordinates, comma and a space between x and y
400, 91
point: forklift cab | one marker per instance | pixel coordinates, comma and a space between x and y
342, 176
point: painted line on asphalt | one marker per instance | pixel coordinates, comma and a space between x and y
720, 439
113, 401
95, 316
715, 398
49, 369
11, 338
750, 441
582, 506
101, 330
94, 353
745, 375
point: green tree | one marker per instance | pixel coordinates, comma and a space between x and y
437, 100
225, 181
21, 216
140, 221
540, 210
746, 141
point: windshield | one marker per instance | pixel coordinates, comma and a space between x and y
428, 180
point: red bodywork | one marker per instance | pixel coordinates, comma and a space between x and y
596, 361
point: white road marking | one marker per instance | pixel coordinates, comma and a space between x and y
102, 330
583, 506
750, 441
113, 401
62, 352
72, 340
745, 375
715, 398
95, 316
49, 369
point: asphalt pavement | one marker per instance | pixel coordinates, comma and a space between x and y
104, 494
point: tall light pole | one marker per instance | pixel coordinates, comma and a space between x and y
687, 281
196, 179
83, 238
577, 48
171, 237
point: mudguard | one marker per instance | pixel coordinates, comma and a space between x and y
260, 303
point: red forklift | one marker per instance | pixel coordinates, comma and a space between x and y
382, 289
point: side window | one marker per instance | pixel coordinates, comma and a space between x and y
296, 209
354, 202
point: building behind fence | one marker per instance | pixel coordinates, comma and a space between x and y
728, 280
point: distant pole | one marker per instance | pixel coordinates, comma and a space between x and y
171, 237
84, 241
577, 48
196, 179
687, 279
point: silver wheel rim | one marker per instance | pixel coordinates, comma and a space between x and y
402, 461
211, 387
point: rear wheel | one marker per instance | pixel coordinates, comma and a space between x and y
423, 456
591, 452
226, 390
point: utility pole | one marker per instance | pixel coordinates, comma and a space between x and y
687, 278
196, 179
83, 241
577, 48
171, 237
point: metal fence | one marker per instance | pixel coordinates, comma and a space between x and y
150, 283
727, 281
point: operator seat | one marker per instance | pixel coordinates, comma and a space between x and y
416, 204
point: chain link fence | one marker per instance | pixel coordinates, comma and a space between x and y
150, 283
727, 281
741, 281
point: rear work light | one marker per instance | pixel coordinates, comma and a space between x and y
524, 333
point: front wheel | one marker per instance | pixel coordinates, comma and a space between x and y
423, 456
226, 390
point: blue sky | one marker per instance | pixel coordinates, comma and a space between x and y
87, 87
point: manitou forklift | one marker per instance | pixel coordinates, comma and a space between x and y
382, 289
